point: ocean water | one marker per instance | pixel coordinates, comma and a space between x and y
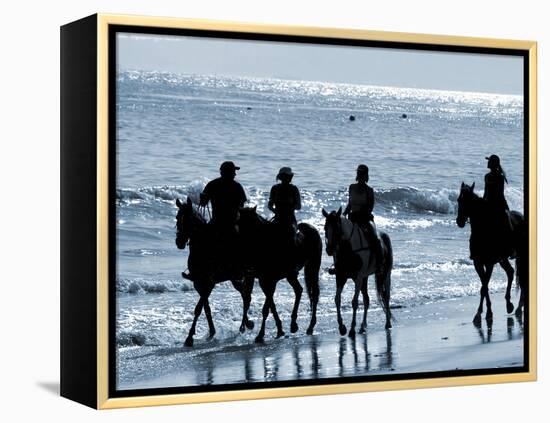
173, 131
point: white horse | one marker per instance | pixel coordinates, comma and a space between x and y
354, 258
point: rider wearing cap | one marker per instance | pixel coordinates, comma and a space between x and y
359, 211
226, 196
494, 195
284, 199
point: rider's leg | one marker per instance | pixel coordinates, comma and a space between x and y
375, 241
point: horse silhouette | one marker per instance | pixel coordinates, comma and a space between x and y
487, 248
355, 259
208, 265
274, 259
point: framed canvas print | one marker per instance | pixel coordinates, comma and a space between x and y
253, 211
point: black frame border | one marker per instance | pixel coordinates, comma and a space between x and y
234, 35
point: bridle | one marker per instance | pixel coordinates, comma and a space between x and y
341, 239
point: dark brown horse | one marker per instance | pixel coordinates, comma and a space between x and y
209, 265
274, 259
486, 248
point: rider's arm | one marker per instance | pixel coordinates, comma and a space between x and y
243, 198
297, 199
205, 196
486, 191
271, 202
370, 200
348, 207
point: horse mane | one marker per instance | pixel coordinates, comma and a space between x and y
198, 215
262, 219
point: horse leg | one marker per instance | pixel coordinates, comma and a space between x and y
355, 303
278, 323
519, 308
293, 280
489, 314
480, 269
198, 310
505, 264
265, 310
366, 303
340, 282
208, 314
314, 300
245, 289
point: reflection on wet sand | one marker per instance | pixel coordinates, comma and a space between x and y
311, 358
418, 343
486, 334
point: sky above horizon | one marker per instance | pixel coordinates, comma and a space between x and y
314, 62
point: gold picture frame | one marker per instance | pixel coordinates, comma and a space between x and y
86, 379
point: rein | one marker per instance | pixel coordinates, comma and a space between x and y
362, 246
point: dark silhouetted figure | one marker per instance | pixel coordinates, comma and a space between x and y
359, 211
271, 263
208, 266
284, 200
498, 206
226, 196
488, 249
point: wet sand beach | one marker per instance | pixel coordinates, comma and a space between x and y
432, 337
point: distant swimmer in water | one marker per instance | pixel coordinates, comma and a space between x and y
352, 118
404, 116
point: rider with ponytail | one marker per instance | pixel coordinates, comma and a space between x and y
494, 195
359, 209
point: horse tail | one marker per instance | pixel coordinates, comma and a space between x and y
383, 282
520, 243
312, 250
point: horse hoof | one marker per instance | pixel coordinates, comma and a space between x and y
309, 331
477, 320
362, 330
280, 334
388, 325
343, 330
189, 342
259, 339
293, 327
351, 334
242, 328
509, 308
249, 324
211, 335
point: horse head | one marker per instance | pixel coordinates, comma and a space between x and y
184, 222
333, 229
464, 203
249, 219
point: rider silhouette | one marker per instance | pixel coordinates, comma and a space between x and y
226, 196
284, 199
494, 195
359, 211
